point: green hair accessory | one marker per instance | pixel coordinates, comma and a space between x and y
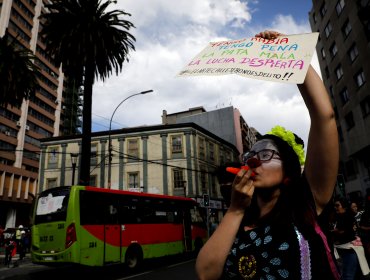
289, 137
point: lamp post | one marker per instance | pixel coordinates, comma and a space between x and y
184, 187
74, 162
109, 135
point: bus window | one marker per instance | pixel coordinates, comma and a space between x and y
52, 205
91, 204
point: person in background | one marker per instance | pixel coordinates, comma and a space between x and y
364, 229
348, 247
22, 245
271, 229
356, 214
18, 235
10, 245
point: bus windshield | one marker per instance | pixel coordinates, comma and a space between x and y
52, 205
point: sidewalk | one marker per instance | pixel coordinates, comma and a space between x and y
16, 262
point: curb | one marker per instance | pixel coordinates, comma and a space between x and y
16, 262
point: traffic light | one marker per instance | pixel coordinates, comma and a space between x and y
205, 200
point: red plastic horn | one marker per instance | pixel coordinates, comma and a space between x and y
235, 170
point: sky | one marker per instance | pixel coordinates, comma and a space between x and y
169, 34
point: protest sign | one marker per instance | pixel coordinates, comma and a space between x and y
284, 59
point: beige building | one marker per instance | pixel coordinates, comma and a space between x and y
173, 159
227, 123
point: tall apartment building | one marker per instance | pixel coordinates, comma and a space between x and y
344, 51
227, 123
41, 116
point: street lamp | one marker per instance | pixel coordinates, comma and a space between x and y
109, 136
74, 162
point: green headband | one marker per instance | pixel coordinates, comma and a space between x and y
289, 137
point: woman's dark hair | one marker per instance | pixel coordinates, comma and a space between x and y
343, 201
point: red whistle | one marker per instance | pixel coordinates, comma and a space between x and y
235, 170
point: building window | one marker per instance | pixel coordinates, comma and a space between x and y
133, 149
222, 157
339, 7
328, 29
344, 96
178, 178
365, 106
228, 156
201, 148
327, 74
346, 29
211, 152
53, 154
94, 154
333, 50
360, 78
314, 17
323, 55
331, 91
51, 183
353, 53
323, 10
203, 179
339, 72
350, 122
176, 143
133, 180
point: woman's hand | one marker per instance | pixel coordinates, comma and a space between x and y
243, 188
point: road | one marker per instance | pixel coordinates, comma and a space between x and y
174, 268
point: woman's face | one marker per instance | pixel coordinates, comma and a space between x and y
338, 207
354, 207
269, 173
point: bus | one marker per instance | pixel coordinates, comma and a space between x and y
96, 226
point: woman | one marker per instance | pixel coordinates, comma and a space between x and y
270, 230
356, 214
349, 247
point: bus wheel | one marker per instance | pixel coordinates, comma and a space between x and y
134, 257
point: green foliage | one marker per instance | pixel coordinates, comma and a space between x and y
18, 73
289, 137
91, 43
81, 33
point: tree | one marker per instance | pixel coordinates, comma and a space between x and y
90, 42
18, 73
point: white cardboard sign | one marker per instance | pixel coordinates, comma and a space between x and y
284, 59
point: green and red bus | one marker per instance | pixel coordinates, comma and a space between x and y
95, 226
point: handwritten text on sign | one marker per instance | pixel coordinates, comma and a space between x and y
285, 59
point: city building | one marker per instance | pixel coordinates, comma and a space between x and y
46, 114
343, 50
174, 159
226, 123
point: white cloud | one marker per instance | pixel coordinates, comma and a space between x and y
169, 34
